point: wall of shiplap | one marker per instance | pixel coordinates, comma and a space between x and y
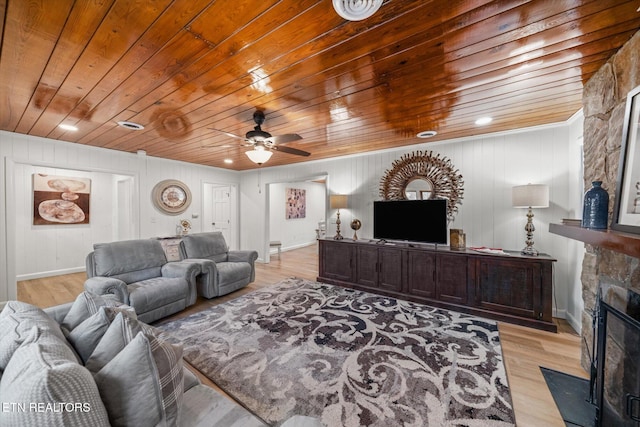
490, 164
29, 250
296, 232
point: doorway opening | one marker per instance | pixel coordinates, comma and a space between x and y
296, 212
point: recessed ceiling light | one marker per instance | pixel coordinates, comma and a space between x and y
228, 161
130, 125
484, 121
68, 127
427, 134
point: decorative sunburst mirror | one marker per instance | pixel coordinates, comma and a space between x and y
424, 176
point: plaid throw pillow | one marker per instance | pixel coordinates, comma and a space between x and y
143, 384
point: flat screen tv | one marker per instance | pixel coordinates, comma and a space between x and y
413, 220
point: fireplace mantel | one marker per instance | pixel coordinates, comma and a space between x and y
626, 243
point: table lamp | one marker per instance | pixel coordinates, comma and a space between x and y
530, 196
338, 201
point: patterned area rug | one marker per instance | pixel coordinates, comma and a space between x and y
349, 358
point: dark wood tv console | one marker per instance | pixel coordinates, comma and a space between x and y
511, 288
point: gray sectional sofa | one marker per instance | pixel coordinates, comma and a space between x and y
138, 274
222, 271
92, 363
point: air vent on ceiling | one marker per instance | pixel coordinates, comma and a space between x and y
130, 125
427, 134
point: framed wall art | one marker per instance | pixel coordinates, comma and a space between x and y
60, 199
296, 206
626, 212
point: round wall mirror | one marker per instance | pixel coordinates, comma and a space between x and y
423, 175
418, 188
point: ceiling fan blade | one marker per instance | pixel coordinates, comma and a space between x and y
228, 134
282, 139
290, 150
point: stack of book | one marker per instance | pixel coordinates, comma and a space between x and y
572, 221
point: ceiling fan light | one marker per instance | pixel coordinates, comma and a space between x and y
356, 10
259, 156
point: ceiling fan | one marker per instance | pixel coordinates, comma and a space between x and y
262, 142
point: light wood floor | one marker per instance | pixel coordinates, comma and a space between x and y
525, 349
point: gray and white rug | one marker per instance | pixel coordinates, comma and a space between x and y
349, 358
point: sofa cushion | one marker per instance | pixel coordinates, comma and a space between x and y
121, 332
206, 245
86, 336
230, 272
48, 386
16, 321
143, 384
129, 260
157, 292
86, 305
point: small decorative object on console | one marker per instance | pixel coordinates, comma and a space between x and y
185, 225
355, 226
595, 212
457, 239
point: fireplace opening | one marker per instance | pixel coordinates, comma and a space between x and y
617, 364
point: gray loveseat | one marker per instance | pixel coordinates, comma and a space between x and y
223, 271
138, 274
91, 363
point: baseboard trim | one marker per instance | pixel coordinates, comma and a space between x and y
51, 273
575, 323
561, 314
290, 248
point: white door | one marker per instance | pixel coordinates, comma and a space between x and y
220, 212
124, 209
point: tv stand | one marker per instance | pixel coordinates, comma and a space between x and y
512, 288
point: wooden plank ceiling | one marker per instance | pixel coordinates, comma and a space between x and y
182, 68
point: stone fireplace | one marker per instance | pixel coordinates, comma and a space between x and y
618, 358
604, 100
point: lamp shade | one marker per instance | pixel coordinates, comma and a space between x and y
259, 156
338, 201
530, 196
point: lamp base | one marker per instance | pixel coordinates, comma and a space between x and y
338, 236
529, 228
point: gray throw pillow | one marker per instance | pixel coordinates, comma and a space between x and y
16, 320
86, 305
86, 336
54, 390
122, 330
143, 384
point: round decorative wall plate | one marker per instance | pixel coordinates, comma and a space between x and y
171, 196
424, 175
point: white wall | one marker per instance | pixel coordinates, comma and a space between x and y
296, 232
26, 249
45, 250
490, 165
575, 248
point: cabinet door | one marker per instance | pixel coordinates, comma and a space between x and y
509, 287
367, 266
336, 260
420, 274
452, 278
390, 269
